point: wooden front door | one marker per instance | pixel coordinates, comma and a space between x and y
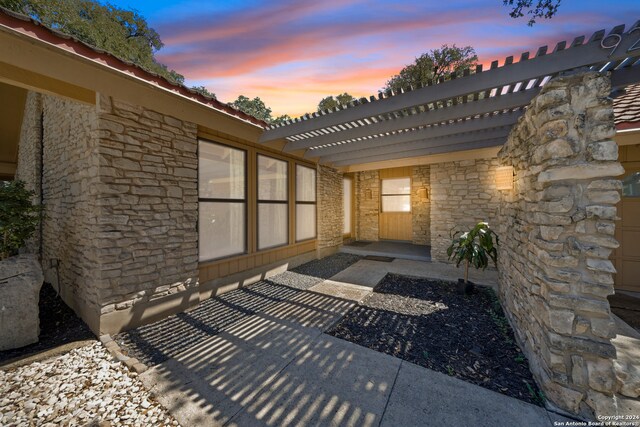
395, 204
627, 257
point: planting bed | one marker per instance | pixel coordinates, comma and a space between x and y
426, 322
58, 325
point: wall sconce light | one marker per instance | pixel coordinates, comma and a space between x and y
367, 194
423, 193
504, 178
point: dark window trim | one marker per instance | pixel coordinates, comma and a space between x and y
219, 200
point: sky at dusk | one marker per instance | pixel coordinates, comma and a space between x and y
292, 53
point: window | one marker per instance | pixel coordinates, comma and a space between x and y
223, 204
396, 195
631, 185
305, 203
273, 206
347, 183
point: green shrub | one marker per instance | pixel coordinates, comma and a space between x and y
19, 217
474, 247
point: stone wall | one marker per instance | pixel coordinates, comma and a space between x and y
367, 205
421, 206
29, 157
557, 232
462, 194
330, 209
148, 198
69, 183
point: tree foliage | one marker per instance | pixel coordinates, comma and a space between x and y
545, 9
123, 33
257, 108
331, 102
433, 65
204, 91
19, 217
474, 247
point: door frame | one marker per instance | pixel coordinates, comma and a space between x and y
351, 235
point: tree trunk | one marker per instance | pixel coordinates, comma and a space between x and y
466, 271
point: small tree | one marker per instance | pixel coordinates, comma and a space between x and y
19, 217
474, 247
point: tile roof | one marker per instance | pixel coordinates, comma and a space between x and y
34, 29
626, 108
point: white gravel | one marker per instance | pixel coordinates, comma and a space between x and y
83, 387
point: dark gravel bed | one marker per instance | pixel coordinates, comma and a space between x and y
154, 343
427, 323
327, 267
58, 325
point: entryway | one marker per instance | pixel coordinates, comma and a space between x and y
387, 248
395, 204
627, 257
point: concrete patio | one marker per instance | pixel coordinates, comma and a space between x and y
278, 367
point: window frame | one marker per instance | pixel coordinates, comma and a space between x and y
282, 202
305, 202
383, 195
223, 200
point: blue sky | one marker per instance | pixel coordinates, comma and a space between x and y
292, 53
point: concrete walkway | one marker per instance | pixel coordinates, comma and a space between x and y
278, 368
402, 250
369, 273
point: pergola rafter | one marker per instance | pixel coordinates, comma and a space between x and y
454, 139
390, 124
392, 142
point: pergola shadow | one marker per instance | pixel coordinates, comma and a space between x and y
277, 368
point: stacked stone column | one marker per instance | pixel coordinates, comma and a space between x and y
557, 233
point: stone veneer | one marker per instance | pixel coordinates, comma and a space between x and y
367, 205
120, 194
330, 210
557, 232
69, 184
148, 198
420, 206
462, 194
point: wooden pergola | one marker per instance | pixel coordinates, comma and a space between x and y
464, 112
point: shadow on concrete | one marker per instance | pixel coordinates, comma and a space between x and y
237, 375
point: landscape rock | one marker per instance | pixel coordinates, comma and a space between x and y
20, 281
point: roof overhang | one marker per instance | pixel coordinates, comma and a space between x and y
37, 58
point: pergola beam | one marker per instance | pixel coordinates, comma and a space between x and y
576, 56
470, 125
449, 140
422, 152
470, 109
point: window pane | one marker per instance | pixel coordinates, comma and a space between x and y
272, 225
396, 203
272, 179
305, 222
346, 183
631, 185
221, 172
222, 229
305, 184
396, 186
